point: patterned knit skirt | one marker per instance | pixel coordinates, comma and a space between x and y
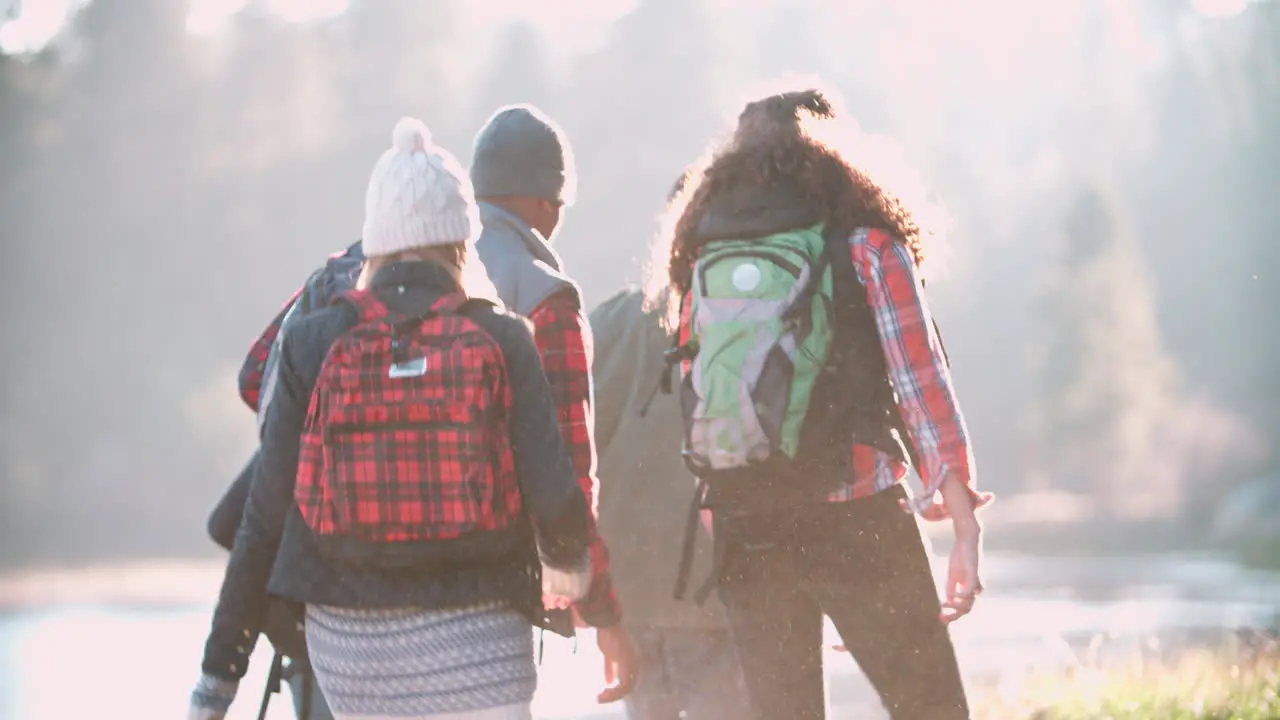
469, 664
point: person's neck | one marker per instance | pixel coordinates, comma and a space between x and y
511, 206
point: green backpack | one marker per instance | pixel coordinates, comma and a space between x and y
760, 335
778, 329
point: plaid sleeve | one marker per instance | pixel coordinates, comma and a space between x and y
255, 363
564, 342
916, 363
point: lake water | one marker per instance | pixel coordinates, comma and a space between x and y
127, 642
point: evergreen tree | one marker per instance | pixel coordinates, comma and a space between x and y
100, 253
1208, 194
1115, 419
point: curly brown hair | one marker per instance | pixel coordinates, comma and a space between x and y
794, 138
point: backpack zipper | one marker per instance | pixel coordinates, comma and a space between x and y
355, 428
351, 428
773, 257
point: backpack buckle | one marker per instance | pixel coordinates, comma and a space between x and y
680, 353
673, 357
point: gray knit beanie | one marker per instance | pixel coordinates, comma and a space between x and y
522, 152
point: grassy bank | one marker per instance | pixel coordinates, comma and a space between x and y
1225, 684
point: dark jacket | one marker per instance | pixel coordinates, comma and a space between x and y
283, 624
275, 553
224, 521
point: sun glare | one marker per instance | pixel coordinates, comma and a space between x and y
303, 11
207, 17
1220, 8
33, 24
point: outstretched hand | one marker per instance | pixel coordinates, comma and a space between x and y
621, 663
963, 583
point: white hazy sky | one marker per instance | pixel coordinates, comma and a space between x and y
28, 26
33, 24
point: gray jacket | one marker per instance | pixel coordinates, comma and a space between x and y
522, 266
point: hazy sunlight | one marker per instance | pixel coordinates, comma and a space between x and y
1220, 8
33, 24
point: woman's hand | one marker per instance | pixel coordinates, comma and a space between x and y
963, 581
621, 663
959, 504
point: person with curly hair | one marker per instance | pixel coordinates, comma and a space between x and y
839, 538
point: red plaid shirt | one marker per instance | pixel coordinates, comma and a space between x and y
564, 341
255, 363
917, 369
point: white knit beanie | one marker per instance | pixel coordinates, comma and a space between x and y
419, 195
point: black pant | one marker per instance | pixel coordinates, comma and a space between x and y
306, 694
863, 565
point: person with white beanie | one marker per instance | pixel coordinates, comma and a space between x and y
444, 630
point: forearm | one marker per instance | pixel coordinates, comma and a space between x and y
564, 343
556, 505
242, 602
600, 608
961, 505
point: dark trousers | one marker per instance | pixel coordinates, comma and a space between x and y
688, 675
862, 564
302, 684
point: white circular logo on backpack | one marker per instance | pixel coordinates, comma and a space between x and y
746, 277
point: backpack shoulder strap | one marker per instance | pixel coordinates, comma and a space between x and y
804, 299
676, 354
844, 279
473, 306
458, 303
476, 303
367, 306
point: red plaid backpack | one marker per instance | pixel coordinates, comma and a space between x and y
405, 455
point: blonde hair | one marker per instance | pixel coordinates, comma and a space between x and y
456, 258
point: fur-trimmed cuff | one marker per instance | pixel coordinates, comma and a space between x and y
572, 584
212, 698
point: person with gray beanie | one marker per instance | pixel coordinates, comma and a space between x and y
522, 171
